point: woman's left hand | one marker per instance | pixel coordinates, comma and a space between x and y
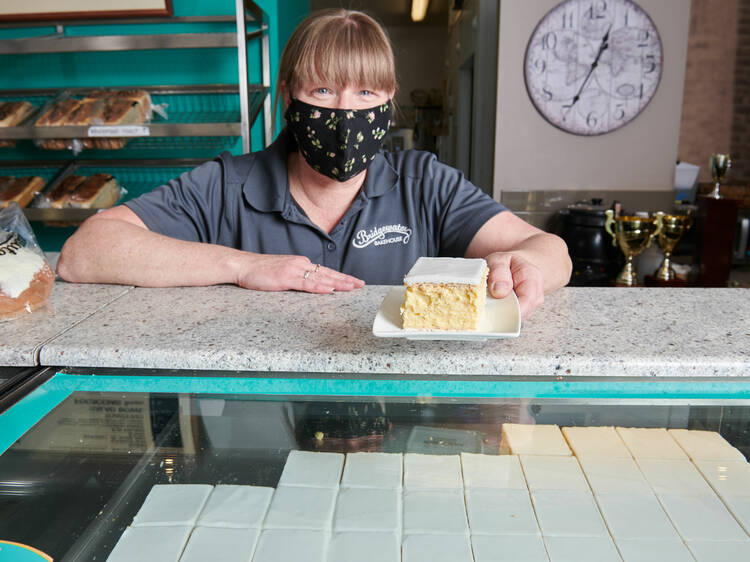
510, 271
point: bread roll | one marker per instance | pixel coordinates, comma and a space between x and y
58, 197
26, 279
21, 190
100, 191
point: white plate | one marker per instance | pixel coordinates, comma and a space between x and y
501, 319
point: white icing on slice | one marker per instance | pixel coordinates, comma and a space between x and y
532, 439
635, 517
661, 550
740, 507
301, 508
500, 512
553, 473
650, 443
317, 470
712, 551
596, 442
437, 548
582, 549
612, 475
492, 471
172, 504
446, 270
150, 543
509, 548
668, 476
728, 478
220, 545
702, 517
705, 445
435, 512
17, 270
291, 544
568, 514
432, 471
363, 547
373, 470
236, 506
368, 509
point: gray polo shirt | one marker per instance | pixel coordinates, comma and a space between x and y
411, 205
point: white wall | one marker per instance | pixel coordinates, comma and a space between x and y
531, 154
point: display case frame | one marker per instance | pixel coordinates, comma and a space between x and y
162, 461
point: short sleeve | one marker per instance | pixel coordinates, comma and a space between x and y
187, 207
458, 207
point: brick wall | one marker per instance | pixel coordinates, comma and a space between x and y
740, 144
707, 111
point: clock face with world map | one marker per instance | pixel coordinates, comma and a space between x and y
592, 66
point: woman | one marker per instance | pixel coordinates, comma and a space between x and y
322, 209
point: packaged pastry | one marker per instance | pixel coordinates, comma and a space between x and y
20, 190
26, 279
119, 110
56, 116
13, 113
99, 191
58, 197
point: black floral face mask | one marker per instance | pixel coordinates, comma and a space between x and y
338, 143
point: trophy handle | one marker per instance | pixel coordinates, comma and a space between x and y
659, 224
608, 225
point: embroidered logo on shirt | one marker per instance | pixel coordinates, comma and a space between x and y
382, 235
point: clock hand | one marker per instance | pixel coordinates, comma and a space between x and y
602, 47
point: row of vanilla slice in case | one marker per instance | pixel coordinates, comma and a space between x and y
98, 191
98, 107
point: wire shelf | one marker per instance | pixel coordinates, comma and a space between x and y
46, 171
135, 177
198, 108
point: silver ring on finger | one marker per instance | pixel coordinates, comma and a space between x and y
306, 274
317, 267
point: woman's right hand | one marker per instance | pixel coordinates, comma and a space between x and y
271, 272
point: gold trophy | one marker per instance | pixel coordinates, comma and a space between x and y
672, 229
719, 165
633, 234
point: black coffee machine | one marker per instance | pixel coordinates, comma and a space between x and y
596, 261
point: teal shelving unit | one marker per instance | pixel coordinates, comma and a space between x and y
209, 65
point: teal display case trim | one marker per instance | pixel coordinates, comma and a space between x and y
22, 416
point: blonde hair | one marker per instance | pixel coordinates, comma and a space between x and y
338, 47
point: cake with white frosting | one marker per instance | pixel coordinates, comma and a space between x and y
445, 294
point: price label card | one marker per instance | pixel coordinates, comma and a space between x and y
119, 131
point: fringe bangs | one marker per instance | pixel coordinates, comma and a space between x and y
340, 48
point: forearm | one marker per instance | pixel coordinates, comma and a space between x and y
115, 251
550, 254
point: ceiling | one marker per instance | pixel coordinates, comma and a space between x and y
390, 12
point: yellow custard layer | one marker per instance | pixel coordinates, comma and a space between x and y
444, 306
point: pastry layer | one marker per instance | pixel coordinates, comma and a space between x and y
445, 294
533, 439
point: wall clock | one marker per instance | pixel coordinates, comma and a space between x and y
592, 66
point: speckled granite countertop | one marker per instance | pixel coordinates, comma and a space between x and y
68, 305
577, 332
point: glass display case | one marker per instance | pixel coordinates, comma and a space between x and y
82, 451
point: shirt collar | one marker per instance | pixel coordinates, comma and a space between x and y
267, 187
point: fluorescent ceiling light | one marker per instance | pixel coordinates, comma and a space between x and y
418, 9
